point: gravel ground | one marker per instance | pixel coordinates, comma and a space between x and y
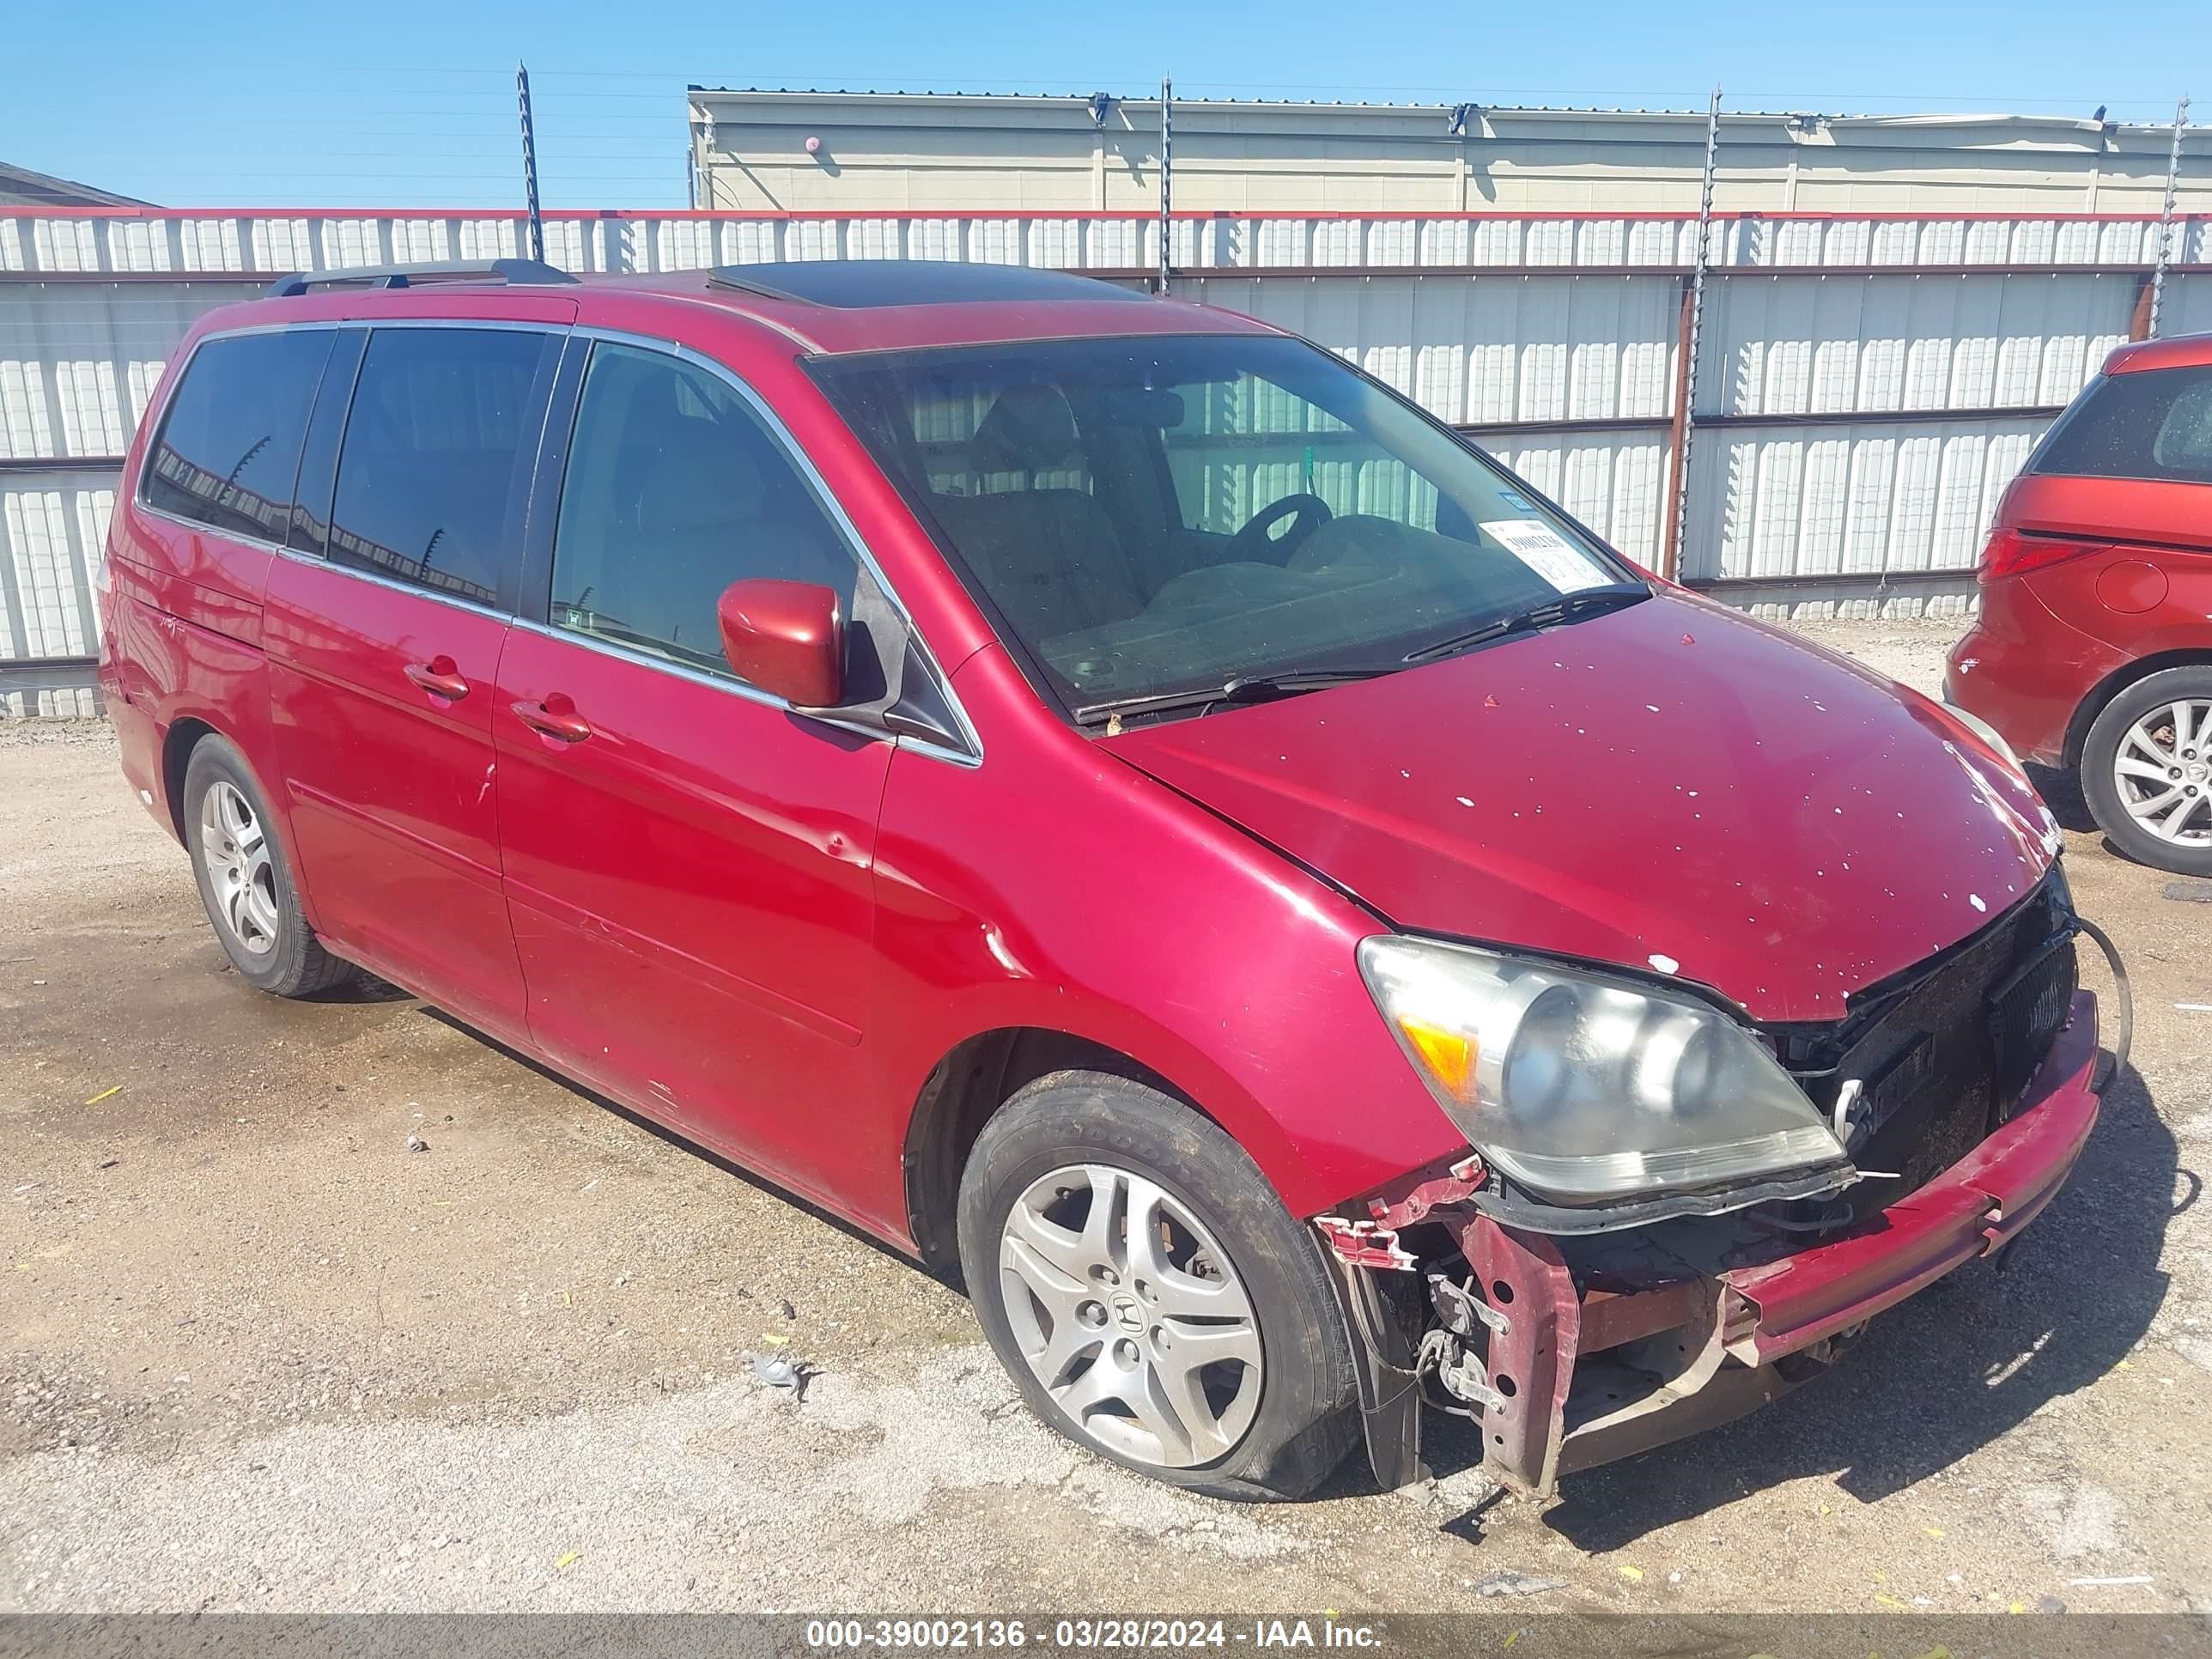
257, 1355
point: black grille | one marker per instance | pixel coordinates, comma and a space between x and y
2026, 1013
1941, 1061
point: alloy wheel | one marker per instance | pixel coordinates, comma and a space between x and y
241, 873
1131, 1316
2162, 772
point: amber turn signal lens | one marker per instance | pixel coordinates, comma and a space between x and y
1449, 1055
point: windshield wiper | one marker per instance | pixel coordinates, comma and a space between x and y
1583, 602
1239, 688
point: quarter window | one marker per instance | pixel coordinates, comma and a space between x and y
431, 472
229, 453
675, 490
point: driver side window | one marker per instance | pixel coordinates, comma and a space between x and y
674, 490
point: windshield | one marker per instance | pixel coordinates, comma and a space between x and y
1166, 513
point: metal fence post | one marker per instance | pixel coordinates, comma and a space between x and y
1685, 368
2165, 218
1167, 174
530, 163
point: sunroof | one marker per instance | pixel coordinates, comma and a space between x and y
860, 284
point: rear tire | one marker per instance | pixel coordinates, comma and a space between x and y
2138, 736
1195, 1255
245, 881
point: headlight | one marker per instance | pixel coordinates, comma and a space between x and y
1585, 1088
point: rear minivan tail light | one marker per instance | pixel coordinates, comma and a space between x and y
2010, 553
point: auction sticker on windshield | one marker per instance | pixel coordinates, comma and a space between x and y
1547, 553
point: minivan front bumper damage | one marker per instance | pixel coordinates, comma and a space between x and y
1566, 1367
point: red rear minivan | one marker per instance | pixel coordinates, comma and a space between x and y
1116, 802
2092, 649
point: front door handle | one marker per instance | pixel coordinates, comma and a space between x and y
441, 677
555, 717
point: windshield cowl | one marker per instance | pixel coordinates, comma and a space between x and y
1269, 688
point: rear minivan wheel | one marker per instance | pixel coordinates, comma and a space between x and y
244, 881
2147, 770
1150, 1295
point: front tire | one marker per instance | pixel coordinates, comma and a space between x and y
1149, 1294
2147, 770
244, 880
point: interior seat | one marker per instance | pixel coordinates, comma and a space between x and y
1049, 558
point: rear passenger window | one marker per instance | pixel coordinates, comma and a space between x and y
228, 454
675, 490
2154, 423
430, 474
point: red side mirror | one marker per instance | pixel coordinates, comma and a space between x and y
786, 638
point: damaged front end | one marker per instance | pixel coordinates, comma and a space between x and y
1576, 1336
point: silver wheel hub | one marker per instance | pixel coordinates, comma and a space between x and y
2162, 772
1131, 1316
241, 874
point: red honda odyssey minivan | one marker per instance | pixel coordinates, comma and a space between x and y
2092, 649
1112, 800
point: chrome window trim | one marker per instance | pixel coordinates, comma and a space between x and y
254, 541
315, 562
607, 648
744, 691
937, 751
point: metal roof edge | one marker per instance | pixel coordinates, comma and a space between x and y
1930, 124
1934, 120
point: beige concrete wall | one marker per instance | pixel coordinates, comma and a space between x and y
923, 154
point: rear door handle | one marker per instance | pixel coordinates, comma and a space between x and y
441, 677
555, 717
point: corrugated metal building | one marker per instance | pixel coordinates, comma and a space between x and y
1868, 380
932, 153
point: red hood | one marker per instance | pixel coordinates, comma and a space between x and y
1671, 786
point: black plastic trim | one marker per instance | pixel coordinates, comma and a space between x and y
519, 273
316, 482
534, 595
1513, 1209
1383, 1364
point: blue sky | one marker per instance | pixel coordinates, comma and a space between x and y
412, 104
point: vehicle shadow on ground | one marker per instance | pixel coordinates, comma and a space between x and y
677, 1138
2062, 793
364, 988
1939, 1376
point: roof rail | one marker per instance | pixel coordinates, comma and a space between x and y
519, 272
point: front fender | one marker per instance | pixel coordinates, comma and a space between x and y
1053, 886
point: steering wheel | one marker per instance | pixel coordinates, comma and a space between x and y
1253, 543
